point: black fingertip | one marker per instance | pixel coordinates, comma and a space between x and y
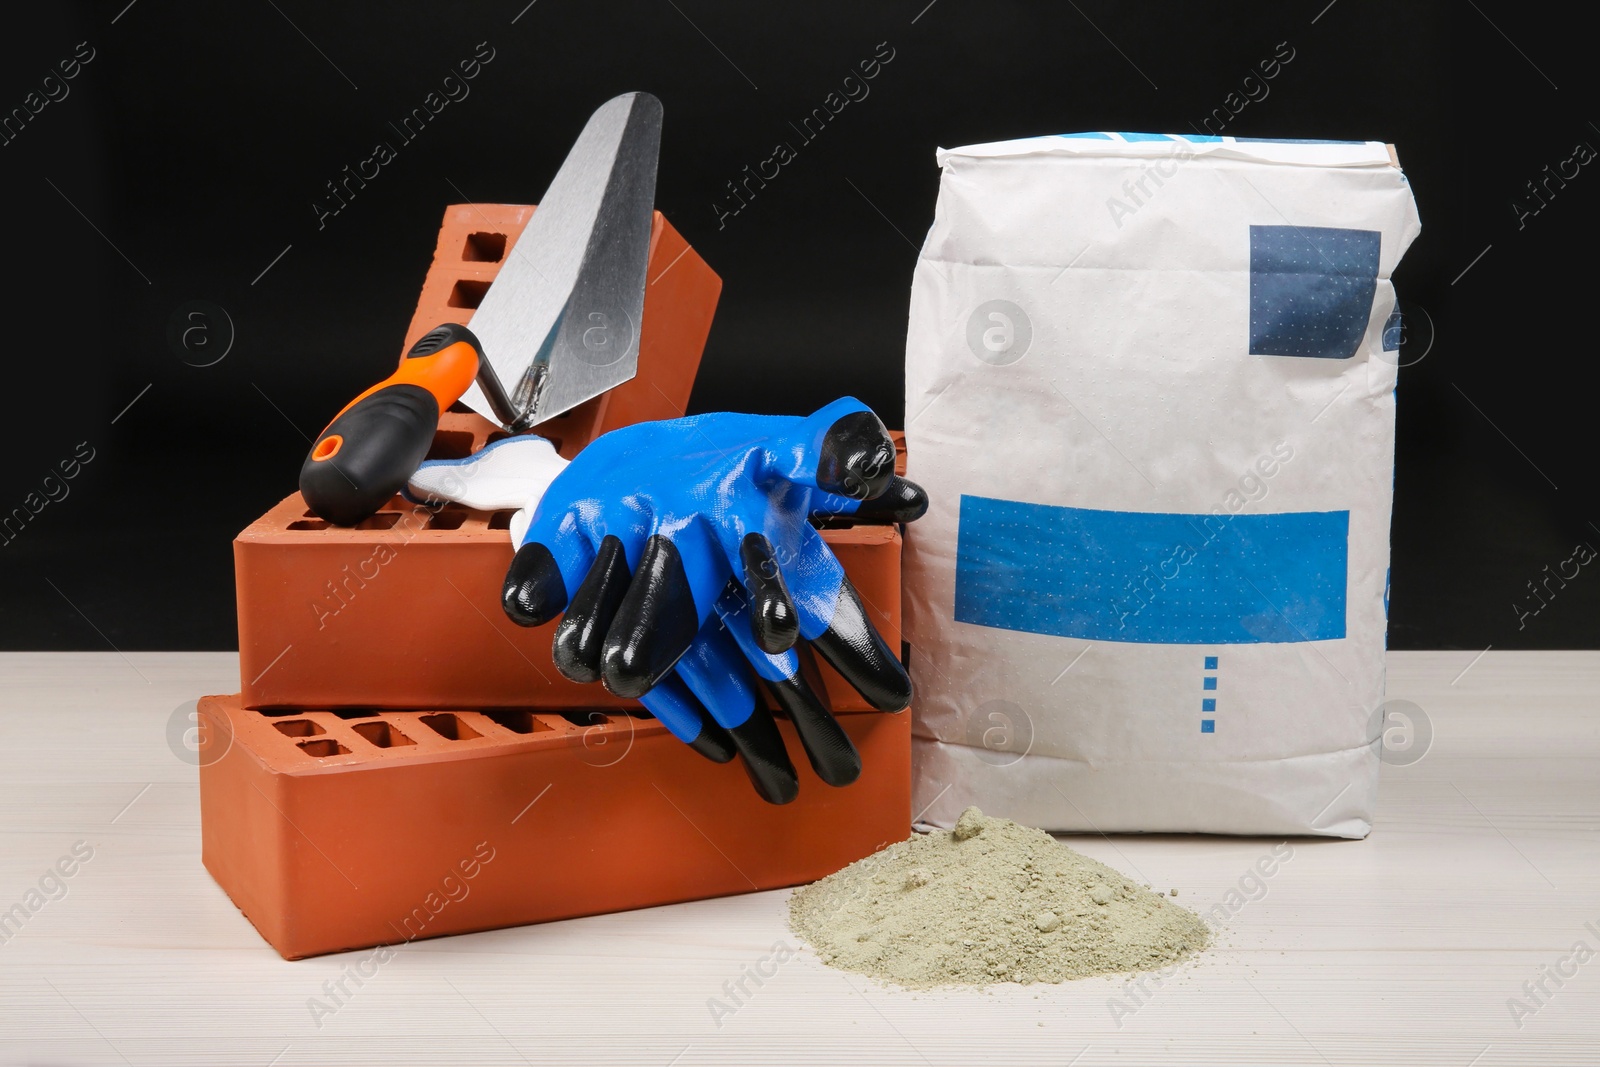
766, 762
534, 592
854, 648
581, 635
831, 752
857, 457
773, 618
714, 743
903, 501
654, 626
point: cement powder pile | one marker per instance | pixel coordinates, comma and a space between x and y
988, 902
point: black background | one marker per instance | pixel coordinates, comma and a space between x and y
190, 150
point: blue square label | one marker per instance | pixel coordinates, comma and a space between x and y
1208, 704
1211, 663
1210, 683
1208, 726
1311, 290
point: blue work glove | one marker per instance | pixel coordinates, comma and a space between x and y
682, 555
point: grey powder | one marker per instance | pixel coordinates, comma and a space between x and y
988, 902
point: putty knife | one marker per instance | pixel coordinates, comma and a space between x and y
559, 325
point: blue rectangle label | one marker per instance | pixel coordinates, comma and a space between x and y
1152, 577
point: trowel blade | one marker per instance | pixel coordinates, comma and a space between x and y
560, 324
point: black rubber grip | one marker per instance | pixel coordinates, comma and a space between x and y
384, 438
442, 337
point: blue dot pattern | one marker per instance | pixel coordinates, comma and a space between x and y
1208, 704
1311, 290
1208, 726
1393, 331
1152, 577
1211, 663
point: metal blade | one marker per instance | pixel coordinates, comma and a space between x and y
561, 322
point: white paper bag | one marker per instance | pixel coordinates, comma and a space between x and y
1150, 391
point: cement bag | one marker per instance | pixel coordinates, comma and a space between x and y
1150, 392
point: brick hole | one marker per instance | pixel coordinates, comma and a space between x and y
383, 520
298, 728
355, 713
323, 747
586, 718
518, 722
451, 444
466, 294
450, 726
484, 248
501, 520
382, 734
447, 519
308, 524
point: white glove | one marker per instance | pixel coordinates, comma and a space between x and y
511, 473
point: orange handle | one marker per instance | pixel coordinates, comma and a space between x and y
376, 442
445, 373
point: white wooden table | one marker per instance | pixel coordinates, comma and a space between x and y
1481, 874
